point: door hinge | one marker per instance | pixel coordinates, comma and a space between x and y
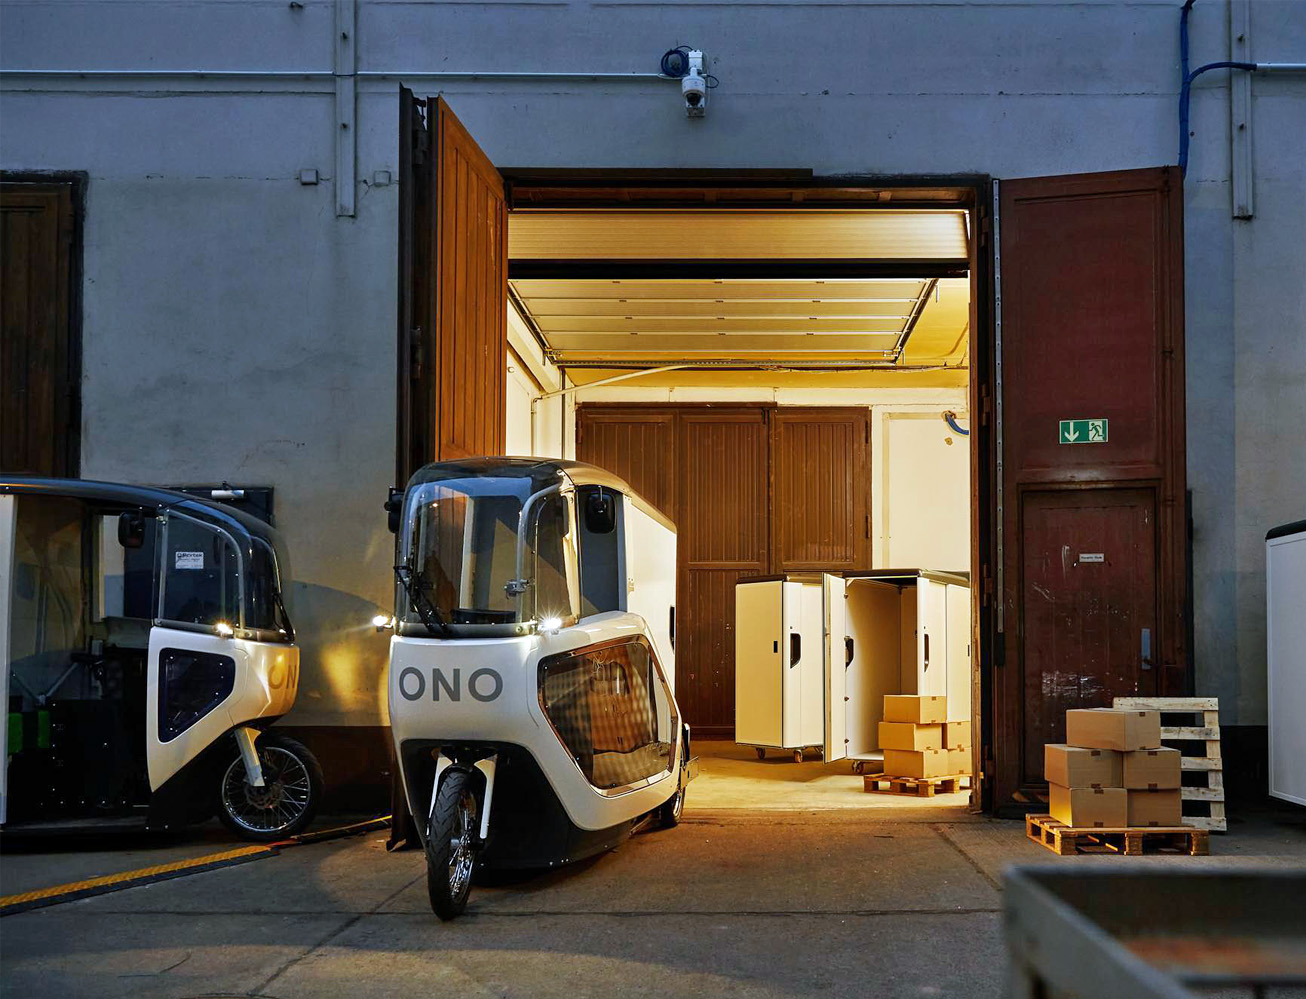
868, 525
415, 353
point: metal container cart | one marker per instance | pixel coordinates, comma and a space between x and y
780, 663
1149, 934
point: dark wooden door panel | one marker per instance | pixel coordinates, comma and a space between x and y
1089, 596
1092, 327
471, 293
39, 359
637, 444
723, 457
820, 483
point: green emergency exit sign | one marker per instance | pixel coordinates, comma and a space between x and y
1083, 432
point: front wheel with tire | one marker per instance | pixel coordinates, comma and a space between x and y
451, 845
288, 799
669, 811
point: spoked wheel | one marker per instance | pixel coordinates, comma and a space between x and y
451, 844
288, 799
761, 753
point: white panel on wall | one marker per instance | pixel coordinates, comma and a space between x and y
926, 491
517, 425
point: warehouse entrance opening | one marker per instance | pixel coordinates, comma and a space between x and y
811, 377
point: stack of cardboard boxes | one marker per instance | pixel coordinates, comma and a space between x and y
918, 741
1112, 771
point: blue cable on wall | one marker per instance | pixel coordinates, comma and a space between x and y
950, 418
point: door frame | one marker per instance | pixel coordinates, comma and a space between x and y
76, 182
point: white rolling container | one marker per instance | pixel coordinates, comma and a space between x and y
1285, 592
780, 675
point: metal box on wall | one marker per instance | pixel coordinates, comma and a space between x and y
1285, 592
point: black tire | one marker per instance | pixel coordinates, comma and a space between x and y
285, 805
451, 844
669, 811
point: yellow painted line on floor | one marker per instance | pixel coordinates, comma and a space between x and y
23, 901
143, 873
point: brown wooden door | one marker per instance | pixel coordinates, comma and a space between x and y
820, 489
1091, 275
1088, 587
471, 292
636, 443
39, 355
453, 291
723, 535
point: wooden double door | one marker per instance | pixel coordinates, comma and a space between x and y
753, 490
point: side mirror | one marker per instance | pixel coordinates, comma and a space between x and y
131, 529
600, 512
394, 508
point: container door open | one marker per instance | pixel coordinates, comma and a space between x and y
931, 638
759, 662
958, 645
837, 658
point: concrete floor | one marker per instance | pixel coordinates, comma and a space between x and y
897, 899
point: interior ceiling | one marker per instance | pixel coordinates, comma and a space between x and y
773, 321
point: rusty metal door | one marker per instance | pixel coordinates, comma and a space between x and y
39, 352
1088, 326
820, 489
1089, 595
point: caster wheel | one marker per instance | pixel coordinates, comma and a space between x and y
798, 756
859, 767
761, 753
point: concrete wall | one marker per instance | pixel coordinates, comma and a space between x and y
222, 298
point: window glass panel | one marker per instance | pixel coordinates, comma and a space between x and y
191, 684
201, 577
610, 708
601, 588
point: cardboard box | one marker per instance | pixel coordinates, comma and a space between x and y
908, 763
1089, 807
914, 708
904, 735
1071, 766
1111, 728
959, 760
1155, 808
1154, 769
956, 734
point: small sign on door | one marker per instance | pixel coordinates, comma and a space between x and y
1092, 556
1083, 432
189, 560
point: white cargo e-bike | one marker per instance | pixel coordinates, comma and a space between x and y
146, 652
530, 688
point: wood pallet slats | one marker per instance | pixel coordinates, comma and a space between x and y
916, 787
1202, 725
1067, 841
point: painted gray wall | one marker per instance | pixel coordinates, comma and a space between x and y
235, 327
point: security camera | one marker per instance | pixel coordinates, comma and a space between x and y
693, 86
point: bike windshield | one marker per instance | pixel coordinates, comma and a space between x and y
487, 555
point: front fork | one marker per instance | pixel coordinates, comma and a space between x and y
245, 738
486, 765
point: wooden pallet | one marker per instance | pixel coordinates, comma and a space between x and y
1205, 730
1127, 842
916, 787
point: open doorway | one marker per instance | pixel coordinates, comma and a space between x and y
788, 378
703, 380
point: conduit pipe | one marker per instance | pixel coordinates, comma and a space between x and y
1186, 84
